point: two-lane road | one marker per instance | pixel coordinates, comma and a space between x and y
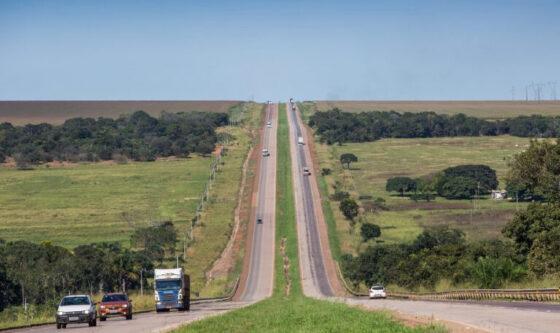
259, 282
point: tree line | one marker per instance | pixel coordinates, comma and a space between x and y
138, 136
42, 273
528, 251
335, 126
458, 182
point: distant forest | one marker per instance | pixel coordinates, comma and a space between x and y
139, 137
335, 126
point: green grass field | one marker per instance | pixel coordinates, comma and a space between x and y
405, 219
99, 202
294, 312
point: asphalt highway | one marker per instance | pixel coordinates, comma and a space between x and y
259, 283
315, 280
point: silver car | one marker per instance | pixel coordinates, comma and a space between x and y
377, 291
76, 309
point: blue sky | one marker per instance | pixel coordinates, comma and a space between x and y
382, 50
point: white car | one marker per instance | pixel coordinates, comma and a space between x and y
377, 291
306, 171
76, 309
268, 124
265, 152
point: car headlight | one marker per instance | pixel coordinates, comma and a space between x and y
180, 295
157, 296
102, 306
125, 306
86, 311
60, 313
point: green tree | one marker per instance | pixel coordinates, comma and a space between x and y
482, 175
370, 231
536, 171
349, 208
400, 184
459, 188
347, 159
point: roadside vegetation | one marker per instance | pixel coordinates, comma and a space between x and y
137, 216
291, 311
430, 199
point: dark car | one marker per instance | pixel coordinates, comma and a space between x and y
115, 305
259, 220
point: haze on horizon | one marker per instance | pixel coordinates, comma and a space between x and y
172, 50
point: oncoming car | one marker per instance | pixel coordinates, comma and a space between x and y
115, 305
76, 309
377, 291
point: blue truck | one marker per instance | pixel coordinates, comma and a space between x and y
172, 290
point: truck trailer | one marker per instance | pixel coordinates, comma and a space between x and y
172, 289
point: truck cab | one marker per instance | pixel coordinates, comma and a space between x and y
172, 289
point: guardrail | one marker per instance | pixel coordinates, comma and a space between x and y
534, 295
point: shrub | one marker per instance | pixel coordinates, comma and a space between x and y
400, 184
349, 208
340, 195
369, 231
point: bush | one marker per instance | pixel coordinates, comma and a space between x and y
492, 273
340, 195
369, 231
400, 184
349, 208
325, 171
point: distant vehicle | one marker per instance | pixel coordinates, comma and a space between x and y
76, 309
269, 102
293, 106
172, 289
269, 124
306, 171
115, 305
377, 291
259, 220
291, 100
265, 152
300, 140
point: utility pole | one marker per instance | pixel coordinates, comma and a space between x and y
142, 281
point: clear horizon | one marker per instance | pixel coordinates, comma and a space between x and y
261, 50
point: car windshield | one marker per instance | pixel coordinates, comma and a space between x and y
377, 288
75, 300
114, 298
168, 284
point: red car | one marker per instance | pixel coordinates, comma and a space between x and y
115, 304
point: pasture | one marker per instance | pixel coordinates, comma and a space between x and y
100, 202
404, 219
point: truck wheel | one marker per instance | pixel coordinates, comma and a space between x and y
129, 316
92, 323
102, 318
64, 326
58, 326
188, 306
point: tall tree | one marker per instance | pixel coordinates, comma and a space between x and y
347, 159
